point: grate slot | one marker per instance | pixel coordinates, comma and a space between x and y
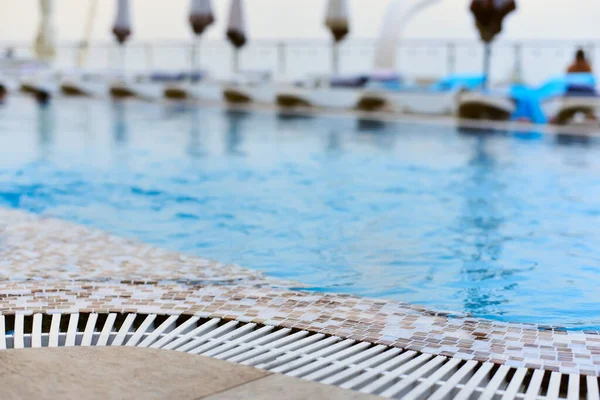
516, 384
573, 390
54, 329
252, 337
172, 335
427, 384
72, 330
213, 343
90, 328
291, 361
243, 351
106, 330
336, 366
291, 352
593, 393
554, 387
356, 370
18, 341
36, 333
263, 351
141, 331
322, 362
228, 327
404, 385
119, 339
390, 378
378, 371
166, 326
475, 380
2, 333
495, 383
271, 351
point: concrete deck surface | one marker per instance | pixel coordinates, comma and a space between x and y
140, 373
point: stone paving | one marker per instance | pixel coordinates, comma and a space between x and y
138, 373
49, 265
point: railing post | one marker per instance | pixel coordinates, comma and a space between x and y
110, 55
517, 75
451, 58
148, 50
591, 49
281, 58
335, 58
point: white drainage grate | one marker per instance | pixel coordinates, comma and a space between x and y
365, 367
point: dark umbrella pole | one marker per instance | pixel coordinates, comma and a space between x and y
122, 34
236, 32
195, 55
339, 31
335, 58
489, 17
123, 53
236, 60
122, 29
201, 17
487, 63
336, 20
238, 40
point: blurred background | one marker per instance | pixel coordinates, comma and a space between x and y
289, 37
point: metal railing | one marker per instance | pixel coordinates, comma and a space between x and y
293, 59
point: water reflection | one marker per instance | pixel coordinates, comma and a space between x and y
377, 132
119, 123
174, 110
371, 125
479, 132
233, 138
334, 142
45, 129
480, 244
570, 139
194, 148
120, 134
284, 116
85, 127
528, 135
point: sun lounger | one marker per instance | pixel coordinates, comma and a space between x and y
355, 82
557, 100
179, 77
579, 102
250, 87
439, 98
478, 105
130, 88
84, 84
39, 85
178, 85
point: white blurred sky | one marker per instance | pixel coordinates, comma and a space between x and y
167, 19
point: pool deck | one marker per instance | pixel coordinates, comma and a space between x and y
52, 266
139, 373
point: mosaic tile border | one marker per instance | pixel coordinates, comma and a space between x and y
48, 265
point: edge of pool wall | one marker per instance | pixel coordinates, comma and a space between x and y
51, 266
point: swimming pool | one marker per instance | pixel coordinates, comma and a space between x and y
502, 226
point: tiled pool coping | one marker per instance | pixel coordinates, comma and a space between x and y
49, 265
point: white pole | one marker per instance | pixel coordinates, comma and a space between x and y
397, 17
45, 42
87, 37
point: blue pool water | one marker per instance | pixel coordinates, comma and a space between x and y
504, 226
